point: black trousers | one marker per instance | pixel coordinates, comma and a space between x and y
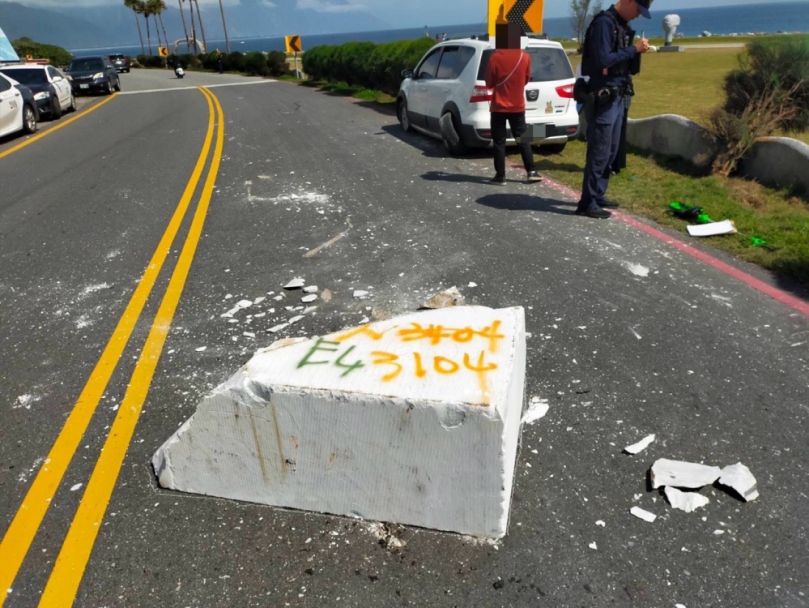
516, 121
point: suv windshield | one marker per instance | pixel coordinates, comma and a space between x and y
27, 76
114, 57
547, 64
80, 65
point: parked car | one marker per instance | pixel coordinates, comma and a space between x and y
93, 74
121, 63
18, 109
51, 89
446, 97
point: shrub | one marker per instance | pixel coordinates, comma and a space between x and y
233, 62
56, 54
277, 63
150, 61
778, 66
255, 64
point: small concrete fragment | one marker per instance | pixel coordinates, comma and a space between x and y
295, 283
277, 328
683, 474
450, 297
739, 478
360, 294
536, 410
310, 298
641, 445
685, 501
310, 289
643, 514
392, 421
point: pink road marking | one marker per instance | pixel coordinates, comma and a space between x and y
773, 292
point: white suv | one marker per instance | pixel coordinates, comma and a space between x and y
446, 95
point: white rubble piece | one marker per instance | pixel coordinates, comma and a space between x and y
295, 283
641, 445
683, 474
310, 298
739, 477
310, 289
643, 514
413, 420
685, 501
536, 410
360, 294
450, 297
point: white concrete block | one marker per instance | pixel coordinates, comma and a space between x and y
685, 501
683, 474
739, 477
413, 420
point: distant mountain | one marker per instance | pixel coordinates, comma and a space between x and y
109, 26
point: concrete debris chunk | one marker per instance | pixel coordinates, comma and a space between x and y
294, 320
683, 474
642, 514
295, 283
360, 294
685, 501
450, 297
309, 298
310, 289
317, 424
536, 410
243, 304
277, 328
739, 478
641, 445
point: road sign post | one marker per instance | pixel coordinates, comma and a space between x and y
294, 46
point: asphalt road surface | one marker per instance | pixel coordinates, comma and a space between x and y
628, 336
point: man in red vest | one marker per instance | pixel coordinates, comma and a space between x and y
508, 72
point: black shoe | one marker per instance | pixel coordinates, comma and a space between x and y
533, 177
498, 180
595, 212
608, 203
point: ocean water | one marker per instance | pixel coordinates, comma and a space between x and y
758, 18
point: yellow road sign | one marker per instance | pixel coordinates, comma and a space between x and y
163, 51
528, 13
293, 44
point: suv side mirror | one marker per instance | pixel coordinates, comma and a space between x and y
408, 73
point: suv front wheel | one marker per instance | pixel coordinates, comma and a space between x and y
403, 116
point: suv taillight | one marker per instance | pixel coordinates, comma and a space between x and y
565, 91
480, 94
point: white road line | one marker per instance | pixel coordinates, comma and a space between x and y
204, 86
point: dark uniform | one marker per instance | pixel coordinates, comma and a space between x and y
609, 58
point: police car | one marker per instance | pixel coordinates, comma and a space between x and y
446, 97
17, 111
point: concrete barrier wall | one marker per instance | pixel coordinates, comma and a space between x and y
775, 161
779, 161
674, 136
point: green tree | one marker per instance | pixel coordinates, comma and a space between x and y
56, 54
136, 6
581, 13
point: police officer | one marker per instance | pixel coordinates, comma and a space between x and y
609, 57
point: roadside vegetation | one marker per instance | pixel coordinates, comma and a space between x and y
272, 64
56, 54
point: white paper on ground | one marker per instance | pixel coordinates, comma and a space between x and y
641, 445
713, 229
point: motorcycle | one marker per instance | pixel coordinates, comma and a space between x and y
179, 72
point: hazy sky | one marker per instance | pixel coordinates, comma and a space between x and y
410, 13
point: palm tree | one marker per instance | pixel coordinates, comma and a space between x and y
201, 27
224, 26
193, 26
185, 29
162, 6
146, 11
135, 7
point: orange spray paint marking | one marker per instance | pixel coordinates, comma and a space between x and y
387, 359
363, 330
420, 371
445, 366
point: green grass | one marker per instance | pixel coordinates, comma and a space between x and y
652, 181
358, 92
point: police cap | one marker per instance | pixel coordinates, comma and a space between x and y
644, 6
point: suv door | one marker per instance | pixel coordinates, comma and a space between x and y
61, 85
448, 86
423, 80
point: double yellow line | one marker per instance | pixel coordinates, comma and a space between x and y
68, 570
